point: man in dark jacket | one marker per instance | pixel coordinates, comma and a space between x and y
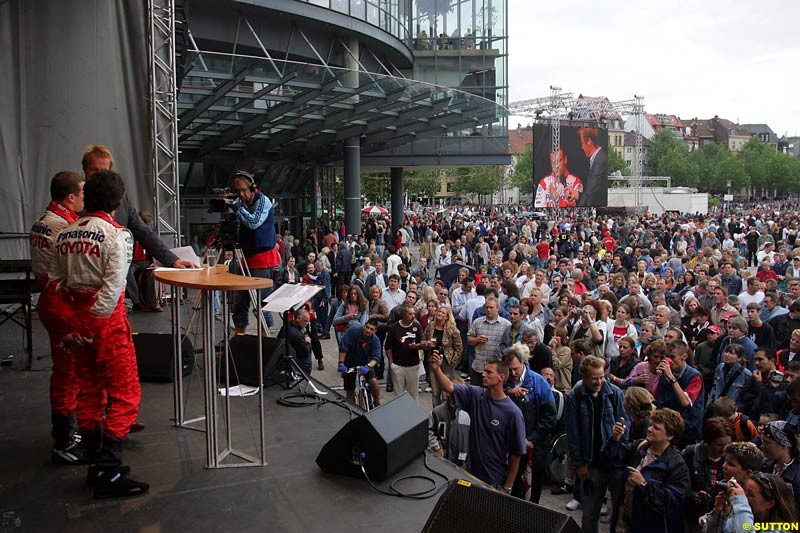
531, 393
299, 339
344, 265
97, 158
592, 407
761, 392
681, 388
785, 324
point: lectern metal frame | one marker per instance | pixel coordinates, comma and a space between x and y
208, 281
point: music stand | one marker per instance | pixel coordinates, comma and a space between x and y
290, 297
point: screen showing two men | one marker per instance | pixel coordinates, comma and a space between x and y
577, 174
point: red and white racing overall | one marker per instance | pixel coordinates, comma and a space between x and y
86, 295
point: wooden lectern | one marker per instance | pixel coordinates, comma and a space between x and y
208, 280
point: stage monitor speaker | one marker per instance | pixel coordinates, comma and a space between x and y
466, 507
244, 354
389, 437
154, 356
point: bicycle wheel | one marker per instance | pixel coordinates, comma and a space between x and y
557, 468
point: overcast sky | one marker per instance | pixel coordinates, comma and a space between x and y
736, 59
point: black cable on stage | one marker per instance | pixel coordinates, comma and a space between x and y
421, 495
312, 399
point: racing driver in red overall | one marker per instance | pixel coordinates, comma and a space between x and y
66, 194
86, 293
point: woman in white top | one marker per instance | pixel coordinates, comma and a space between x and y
618, 329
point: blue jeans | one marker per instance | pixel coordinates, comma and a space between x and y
241, 299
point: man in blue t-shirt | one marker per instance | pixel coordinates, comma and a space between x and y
497, 430
361, 348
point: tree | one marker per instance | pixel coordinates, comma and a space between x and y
522, 175
375, 188
660, 144
480, 181
756, 157
717, 168
421, 182
783, 173
617, 163
676, 164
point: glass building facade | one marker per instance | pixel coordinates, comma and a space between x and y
392, 16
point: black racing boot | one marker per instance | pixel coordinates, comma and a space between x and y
67, 447
111, 480
91, 446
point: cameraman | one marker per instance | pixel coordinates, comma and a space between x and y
256, 216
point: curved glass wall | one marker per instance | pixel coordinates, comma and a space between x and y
392, 16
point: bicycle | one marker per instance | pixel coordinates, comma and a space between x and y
362, 393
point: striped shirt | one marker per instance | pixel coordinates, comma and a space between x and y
489, 351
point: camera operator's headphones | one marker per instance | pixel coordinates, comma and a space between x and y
248, 178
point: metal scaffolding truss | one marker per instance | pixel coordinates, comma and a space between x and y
163, 118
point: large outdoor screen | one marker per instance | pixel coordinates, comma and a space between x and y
581, 176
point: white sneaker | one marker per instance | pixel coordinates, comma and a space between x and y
604, 509
573, 505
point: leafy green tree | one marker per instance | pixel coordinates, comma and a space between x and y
756, 157
717, 167
783, 173
522, 175
660, 145
676, 164
480, 181
421, 182
376, 188
617, 162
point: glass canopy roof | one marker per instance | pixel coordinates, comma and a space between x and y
249, 107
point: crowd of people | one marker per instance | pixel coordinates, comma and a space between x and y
664, 347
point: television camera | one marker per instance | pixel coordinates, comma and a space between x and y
223, 204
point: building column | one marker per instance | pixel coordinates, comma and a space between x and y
352, 151
352, 185
396, 177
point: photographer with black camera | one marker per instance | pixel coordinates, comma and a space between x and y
255, 214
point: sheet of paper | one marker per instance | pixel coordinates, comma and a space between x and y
239, 390
279, 305
185, 253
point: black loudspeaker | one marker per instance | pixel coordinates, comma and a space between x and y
388, 437
465, 507
154, 356
244, 355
